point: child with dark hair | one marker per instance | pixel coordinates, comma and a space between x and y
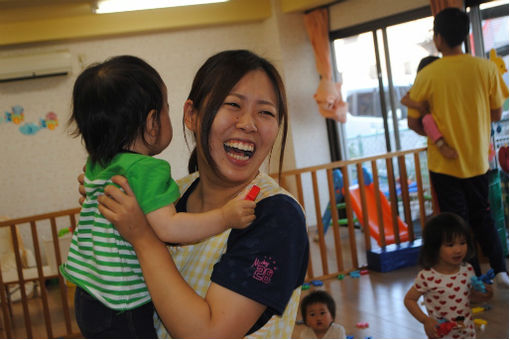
429, 125
445, 281
121, 111
319, 310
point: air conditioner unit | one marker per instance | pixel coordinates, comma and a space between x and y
29, 66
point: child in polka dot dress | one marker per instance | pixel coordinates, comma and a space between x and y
445, 281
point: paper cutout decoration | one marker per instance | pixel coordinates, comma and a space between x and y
329, 99
17, 116
29, 129
51, 121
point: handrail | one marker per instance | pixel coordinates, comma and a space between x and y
40, 275
309, 195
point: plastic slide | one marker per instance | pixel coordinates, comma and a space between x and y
370, 197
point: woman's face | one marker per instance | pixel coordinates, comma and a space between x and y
245, 128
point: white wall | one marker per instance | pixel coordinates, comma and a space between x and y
38, 172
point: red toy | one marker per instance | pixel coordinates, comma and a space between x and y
445, 327
254, 191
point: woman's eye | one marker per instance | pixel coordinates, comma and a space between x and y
269, 113
232, 104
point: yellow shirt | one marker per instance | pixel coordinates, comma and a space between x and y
461, 90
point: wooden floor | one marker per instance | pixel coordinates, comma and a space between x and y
39, 329
377, 298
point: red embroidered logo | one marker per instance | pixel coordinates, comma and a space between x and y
264, 269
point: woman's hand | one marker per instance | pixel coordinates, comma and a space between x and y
123, 211
81, 188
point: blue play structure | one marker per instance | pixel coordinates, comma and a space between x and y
338, 184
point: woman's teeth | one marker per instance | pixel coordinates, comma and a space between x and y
239, 150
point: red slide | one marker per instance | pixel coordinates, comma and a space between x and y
372, 215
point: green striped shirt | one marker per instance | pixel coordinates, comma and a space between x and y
100, 261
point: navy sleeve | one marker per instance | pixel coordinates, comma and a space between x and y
267, 261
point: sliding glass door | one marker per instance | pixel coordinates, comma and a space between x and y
376, 69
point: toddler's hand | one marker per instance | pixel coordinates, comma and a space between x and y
238, 212
478, 296
448, 152
430, 326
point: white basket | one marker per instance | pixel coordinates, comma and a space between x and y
64, 243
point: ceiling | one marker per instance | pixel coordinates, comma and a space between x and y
29, 21
287, 5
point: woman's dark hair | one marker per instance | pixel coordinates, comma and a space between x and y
440, 229
453, 25
111, 101
318, 296
425, 61
213, 83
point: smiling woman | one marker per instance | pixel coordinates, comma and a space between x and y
240, 282
244, 129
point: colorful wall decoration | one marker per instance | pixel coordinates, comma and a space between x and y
17, 116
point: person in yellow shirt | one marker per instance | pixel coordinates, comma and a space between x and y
465, 94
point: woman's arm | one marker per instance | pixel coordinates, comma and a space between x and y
221, 314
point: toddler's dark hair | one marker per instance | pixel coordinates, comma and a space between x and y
425, 61
453, 25
444, 227
111, 102
318, 296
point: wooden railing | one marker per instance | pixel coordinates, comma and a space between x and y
41, 275
294, 180
309, 185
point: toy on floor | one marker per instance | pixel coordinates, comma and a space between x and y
305, 286
65, 231
481, 323
340, 276
486, 306
445, 327
317, 283
482, 308
354, 274
362, 325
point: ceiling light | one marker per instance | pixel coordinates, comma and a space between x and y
112, 6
